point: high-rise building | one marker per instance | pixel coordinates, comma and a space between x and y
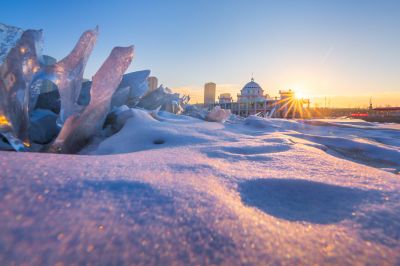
209, 93
153, 83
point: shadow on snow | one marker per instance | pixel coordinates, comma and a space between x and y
319, 203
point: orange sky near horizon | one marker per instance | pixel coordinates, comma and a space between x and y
388, 98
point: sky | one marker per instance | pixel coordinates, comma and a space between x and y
344, 51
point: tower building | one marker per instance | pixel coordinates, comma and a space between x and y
209, 93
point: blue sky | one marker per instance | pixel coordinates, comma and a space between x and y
321, 48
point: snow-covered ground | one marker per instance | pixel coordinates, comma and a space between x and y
182, 191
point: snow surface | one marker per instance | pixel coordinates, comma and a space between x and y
178, 190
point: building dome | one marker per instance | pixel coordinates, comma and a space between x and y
252, 89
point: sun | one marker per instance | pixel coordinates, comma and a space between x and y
299, 94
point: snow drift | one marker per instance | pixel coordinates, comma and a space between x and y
186, 191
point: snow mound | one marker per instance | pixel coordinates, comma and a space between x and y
142, 132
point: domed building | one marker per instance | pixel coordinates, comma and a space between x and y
253, 101
251, 93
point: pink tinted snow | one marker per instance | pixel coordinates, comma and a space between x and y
211, 193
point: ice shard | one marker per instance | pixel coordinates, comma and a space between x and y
9, 37
137, 82
131, 89
67, 74
16, 73
81, 126
164, 98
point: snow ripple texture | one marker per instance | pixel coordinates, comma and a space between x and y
179, 190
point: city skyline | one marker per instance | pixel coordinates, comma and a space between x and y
341, 101
344, 50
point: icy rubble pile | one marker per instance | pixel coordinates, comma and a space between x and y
218, 115
47, 106
164, 99
21, 76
